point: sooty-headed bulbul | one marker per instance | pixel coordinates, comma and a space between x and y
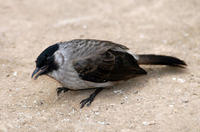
88, 63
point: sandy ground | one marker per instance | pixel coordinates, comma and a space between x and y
166, 100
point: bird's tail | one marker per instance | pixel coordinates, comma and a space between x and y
150, 59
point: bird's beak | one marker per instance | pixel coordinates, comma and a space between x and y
38, 71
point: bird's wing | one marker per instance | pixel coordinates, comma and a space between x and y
110, 65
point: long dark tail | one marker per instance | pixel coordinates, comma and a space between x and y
150, 59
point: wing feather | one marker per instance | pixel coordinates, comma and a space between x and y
110, 65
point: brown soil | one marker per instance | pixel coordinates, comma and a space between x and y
166, 100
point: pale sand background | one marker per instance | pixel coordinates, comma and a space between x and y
166, 100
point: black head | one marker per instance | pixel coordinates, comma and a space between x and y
45, 61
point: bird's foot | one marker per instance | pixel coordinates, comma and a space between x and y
87, 101
60, 90
90, 99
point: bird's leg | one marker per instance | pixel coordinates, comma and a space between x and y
89, 100
61, 89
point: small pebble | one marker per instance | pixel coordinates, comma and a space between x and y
171, 105
181, 80
118, 91
96, 113
103, 123
125, 97
84, 26
141, 35
14, 73
174, 78
136, 92
41, 103
145, 123
184, 100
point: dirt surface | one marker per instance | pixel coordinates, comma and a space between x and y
166, 100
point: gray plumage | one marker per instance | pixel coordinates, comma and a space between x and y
86, 63
79, 58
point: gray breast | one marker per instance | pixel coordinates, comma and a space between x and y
67, 75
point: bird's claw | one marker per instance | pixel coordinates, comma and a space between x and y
60, 90
87, 101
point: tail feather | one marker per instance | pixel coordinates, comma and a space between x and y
150, 59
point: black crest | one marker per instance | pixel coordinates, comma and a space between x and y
45, 56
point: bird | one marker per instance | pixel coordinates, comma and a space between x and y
94, 64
